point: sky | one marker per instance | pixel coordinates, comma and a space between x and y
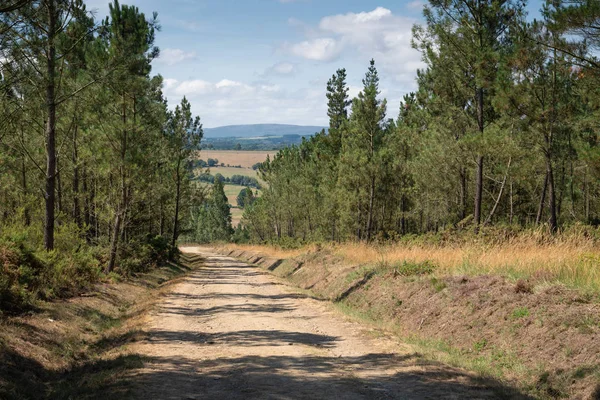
268, 61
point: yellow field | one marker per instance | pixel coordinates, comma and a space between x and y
232, 157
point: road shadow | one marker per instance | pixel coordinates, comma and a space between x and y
313, 377
248, 338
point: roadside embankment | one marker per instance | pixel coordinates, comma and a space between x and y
542, 336
74, 348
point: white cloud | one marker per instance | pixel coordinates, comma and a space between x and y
192, 87
377, 34
232, 102
415, 5
321, 49
280, 69
175, 56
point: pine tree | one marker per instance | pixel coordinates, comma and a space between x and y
337, 107
475, 31
184, 134
129, 39
360, 156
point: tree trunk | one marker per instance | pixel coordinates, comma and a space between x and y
86, 204
59, 203
76, 209
26, 216
177, 199
50, 194
512, 211
370, 215
121, 209
463, 193
489, 218
552, 193
114, 243
479, 174
586, 195
161, 222
538, 218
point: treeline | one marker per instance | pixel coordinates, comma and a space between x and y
95, 171
241, 180
251, 144
502, 130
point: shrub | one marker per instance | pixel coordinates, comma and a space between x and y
136, 257
409, 268
29, 273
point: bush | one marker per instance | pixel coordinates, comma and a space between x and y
29, 273
137, 257
410, 269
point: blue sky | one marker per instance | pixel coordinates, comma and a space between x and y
268, 61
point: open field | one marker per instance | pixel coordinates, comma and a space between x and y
232, 157
228, 172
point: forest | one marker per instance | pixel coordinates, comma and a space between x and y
502, 133
95, 168
100, 176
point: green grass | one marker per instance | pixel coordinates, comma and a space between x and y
520, 312
411, 268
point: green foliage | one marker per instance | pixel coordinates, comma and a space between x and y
29, 272
114, 164
246, 198
410, 268
241, 235
211, 220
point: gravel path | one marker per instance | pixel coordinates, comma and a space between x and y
232, 331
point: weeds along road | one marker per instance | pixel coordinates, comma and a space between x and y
231, 331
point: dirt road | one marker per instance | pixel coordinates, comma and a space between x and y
231, 331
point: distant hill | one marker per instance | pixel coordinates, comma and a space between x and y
246, 131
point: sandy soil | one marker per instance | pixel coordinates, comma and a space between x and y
231, 331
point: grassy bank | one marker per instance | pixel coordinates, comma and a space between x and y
570, 258
75, 348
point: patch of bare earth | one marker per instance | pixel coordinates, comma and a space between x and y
232, 331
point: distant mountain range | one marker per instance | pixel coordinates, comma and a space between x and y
246, 131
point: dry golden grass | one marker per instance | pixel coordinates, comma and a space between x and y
275, 252
232, 157
574, 264
572, 259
